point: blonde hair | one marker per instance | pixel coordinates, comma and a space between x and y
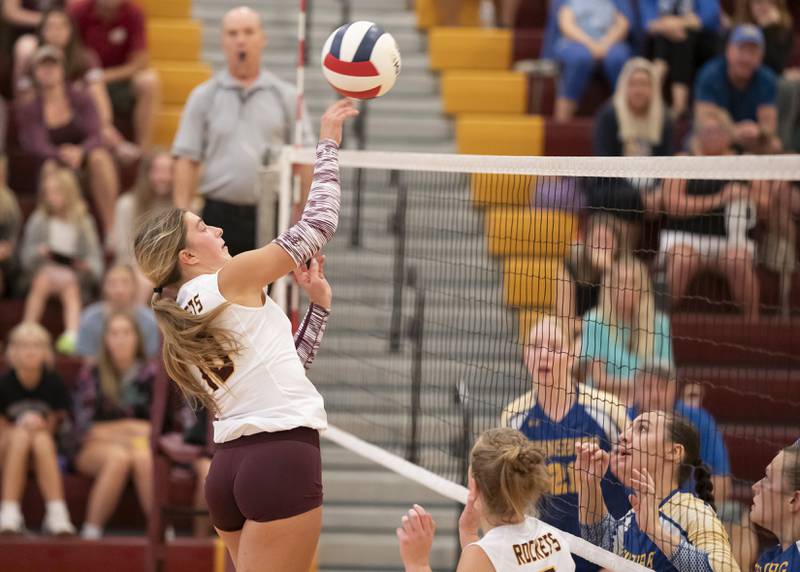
555, 324
110, 376
190, 341
75, 207
144, 197
712, 114
509, 472
651, 127
642, 339
30, 332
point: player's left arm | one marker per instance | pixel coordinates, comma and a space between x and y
474, 559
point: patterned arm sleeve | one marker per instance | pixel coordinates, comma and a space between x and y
688, 558
308, 337
321, 214
601, 533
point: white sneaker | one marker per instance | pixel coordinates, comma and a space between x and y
11, 522
58, 524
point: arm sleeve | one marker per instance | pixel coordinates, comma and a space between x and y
308, 337
189, 141
320, 217
688, 558
34, 138
601, 533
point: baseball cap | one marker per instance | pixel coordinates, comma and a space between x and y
747, 34
47, 52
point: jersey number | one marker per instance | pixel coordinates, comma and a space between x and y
223, 373
550, 569
195, 306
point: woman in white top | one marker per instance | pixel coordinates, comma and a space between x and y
507, 478
228, 346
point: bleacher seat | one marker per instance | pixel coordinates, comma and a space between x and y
532, 281
500, 189
500, 134
521, 231
469, 49
426, 13
174, 40
178, 9
484, 92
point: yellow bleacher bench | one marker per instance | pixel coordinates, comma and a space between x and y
174, 39
166, 8
426, 13
178, 79
500, 134
532, 281
470, 48
484, 92
489, 189
521, 231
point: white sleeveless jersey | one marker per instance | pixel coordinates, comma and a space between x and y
268, 389
530, 545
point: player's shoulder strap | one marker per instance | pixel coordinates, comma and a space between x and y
519, 406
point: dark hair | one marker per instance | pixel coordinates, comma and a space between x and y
76, 57
509, 472
682, 432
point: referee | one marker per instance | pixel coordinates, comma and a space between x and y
232, 125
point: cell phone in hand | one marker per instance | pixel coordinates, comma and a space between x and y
62, 259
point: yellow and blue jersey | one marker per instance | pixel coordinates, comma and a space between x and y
779, 560
587, 420
704, 545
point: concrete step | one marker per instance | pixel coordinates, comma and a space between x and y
377, 487
379, 550
381, 519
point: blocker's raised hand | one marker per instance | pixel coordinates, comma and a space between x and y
333, 119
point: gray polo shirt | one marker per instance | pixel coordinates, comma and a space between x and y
233, 131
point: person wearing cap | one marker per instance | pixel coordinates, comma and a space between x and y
61, 124
231, 126
740, 84
115, 30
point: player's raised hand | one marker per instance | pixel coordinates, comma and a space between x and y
416, 538
333, 119
313, 282
591, 463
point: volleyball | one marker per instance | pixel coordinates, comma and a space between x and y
361, 60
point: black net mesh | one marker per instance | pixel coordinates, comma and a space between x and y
568, 307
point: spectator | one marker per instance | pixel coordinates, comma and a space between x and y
60, 253
20, 19
115, 30
83, 70
740, 84
33, 403
777, 496
230, 126
657, 390
592, 33
624, 331
119, 295
507, 478
557, 410
707, 221
775, 21
634, 123
10, 224
153, 190
588, 260
666, 530
112, 412
61, 124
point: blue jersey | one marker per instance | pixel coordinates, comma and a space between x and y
557, 440
779, 560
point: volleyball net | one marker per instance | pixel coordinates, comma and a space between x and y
564, 297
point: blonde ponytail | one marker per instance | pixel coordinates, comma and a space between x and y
190, 341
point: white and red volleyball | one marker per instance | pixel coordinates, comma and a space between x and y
361, 60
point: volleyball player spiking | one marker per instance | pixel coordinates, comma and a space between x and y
229, 347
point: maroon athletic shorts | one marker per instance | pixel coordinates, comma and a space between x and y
264, 477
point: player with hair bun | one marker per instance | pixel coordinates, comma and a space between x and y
507, 478
228, 346
666, 530
776, 507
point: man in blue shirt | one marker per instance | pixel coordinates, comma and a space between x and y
657, 390
740, 84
